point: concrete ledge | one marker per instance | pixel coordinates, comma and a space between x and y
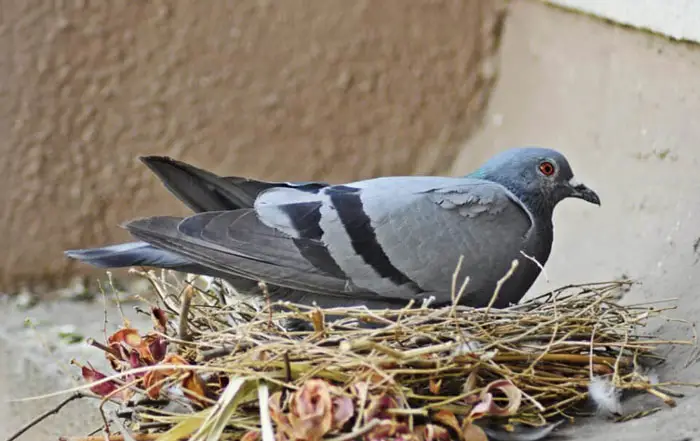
35, 361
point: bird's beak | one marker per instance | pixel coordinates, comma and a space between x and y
578, 190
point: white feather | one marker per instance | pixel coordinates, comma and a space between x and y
605, 395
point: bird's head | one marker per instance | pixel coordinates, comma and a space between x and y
540, 177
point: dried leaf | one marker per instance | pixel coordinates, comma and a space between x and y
157, 347
318, 320
160, 319
135, 360
91, 375
601, 369
343, 410
126, 336
447, 418
252, 435
388, 429
472, 432
278, 416
153, 383
432, 432
512, 393
482, 408
195, 388
434, 386
311, 410
378, 407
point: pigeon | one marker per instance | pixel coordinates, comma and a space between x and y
378, 242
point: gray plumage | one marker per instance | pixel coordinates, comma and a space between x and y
377, 242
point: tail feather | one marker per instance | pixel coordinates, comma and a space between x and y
204, 191
132, 254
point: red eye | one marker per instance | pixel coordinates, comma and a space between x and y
547, 168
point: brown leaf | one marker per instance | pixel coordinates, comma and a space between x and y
488, 406
127, 336
153, 382
482, 408
195, 387
601, 369
434, 386
388, 429
252, 435
447, 418
472, 432
160, 319
318, 320
432, 432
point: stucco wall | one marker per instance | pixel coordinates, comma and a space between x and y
299, 89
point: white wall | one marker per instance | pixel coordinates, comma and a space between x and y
678, 19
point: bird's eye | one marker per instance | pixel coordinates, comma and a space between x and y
547, 168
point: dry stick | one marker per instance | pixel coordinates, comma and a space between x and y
536, 262
116, 297
499, 284
183, 325
359, 432
45, 415
136, 436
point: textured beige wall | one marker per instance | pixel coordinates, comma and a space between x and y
328, 89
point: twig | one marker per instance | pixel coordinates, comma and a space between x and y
136, 437
536, 262
183, 325
499, 284
359, 432
45, 415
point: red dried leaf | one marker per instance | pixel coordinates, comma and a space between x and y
160, 319
91, 375
107, 388
388, 429
158, 347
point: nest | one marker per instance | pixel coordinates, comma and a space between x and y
214, 370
